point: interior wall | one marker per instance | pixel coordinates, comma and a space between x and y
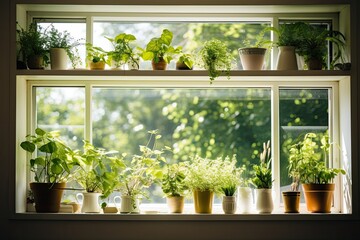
252, 229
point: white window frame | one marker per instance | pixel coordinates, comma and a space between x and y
339, 83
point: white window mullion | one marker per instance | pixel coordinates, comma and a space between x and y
275, 142
88, 114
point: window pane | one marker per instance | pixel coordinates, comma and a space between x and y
206, 122
301, 111
186, 34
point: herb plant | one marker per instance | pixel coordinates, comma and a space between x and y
172, 183
262, 177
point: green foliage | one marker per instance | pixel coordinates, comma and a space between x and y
216, 58
33, 42
262, 173
98, 170
143, 170
314, 44
311, 160
172, 183
230, 176
187, 59
289, 34
122, 52
57, 39
95, 54
160, 48
210, 174
54, 161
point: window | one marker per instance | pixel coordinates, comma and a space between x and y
115, 110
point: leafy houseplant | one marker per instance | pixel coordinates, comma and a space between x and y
216, 58
262, 180
312, 170
173, 186
160, 51
96, 57
32, 46
62, 40
314, 46
122, 53
185, 61
97, 173
52, 167
203, 178
142, 171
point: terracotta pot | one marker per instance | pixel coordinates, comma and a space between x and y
58, 58
175, 204
97, 65
287, 58
203, 201
252, 58
47, 196
182, 66
229, 204
318, 197
291, 201
35, 62
160, 65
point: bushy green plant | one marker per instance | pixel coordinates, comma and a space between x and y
53, 161
160, 48
57, 39
262, 175
314, 44
142, 170
187, 59
122, 52
172, 183
289, 34
230, 176
98, 169
95, 54
216, 58
311, 161
32, 42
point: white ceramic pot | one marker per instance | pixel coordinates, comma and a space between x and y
252, 58
229, 204
90, 202
245, 200
287, 58
58, 59
264, 200
127, 204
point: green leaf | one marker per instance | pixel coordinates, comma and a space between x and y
40, 132
56, 169
50, 147
28, 146
167, 37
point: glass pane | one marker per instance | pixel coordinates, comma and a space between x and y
186, 34
301, 111
206, 122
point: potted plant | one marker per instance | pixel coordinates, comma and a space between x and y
252, 56
230, 180
185, 61
216, 58
32, 46
288, 42
62, 46
52, 165
314, 46
262, 181
173, 186
315, 176
203, 177
97, 175
159, 50
96, 57
122, 53
139, 174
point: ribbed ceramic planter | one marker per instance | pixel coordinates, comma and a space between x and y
229, 204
